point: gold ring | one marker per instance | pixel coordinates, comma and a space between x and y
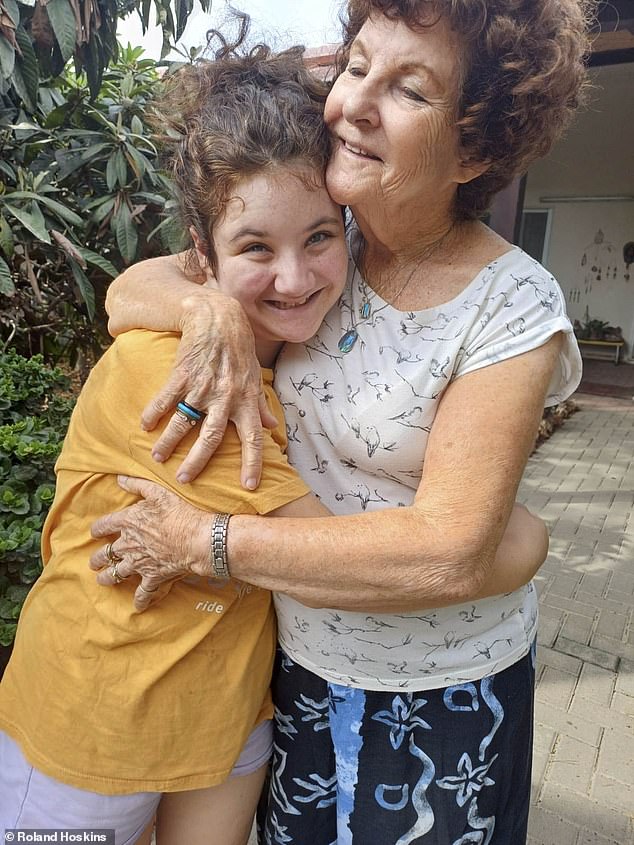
111, 555
115, 572
145, 589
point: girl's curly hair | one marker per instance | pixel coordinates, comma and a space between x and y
236, 116
522, 77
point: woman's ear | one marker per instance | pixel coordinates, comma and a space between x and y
470, 169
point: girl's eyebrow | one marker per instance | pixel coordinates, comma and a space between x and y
246, 232
323, 221
260, 233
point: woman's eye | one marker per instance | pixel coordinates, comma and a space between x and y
414, 95
255, 248
355, 71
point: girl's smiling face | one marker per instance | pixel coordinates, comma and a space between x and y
281, 252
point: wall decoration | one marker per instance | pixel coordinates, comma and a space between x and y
599, 261
628, 257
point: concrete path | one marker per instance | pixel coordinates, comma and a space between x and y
581, 482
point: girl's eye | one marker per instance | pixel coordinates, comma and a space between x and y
319, 237
255, 248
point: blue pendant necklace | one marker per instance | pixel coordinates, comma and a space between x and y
351, 335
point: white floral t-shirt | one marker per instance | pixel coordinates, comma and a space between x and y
358, 423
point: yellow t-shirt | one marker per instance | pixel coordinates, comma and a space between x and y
114, 701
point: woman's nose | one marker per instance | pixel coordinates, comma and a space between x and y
360, 103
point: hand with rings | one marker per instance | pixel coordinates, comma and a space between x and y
114, 560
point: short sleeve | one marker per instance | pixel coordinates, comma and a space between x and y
522, 308
146, 358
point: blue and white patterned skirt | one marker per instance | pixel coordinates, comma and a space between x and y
447, 766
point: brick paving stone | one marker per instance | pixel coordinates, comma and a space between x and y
614, 793
591, 837
557, 660
548, 828
600, 657
616, 756
612, 625
583, 812
596, 684
613, 647
578, 628
625, 679
573, 764
602, 718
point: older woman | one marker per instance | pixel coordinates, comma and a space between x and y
404, 698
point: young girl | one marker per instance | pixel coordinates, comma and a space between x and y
113, 717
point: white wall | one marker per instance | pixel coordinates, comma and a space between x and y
595, 159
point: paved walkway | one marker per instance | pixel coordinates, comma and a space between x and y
581, 482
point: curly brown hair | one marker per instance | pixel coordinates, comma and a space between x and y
522, 77
234, 117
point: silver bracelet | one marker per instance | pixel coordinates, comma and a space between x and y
219, 562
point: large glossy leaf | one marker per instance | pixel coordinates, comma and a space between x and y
7, 58
62, 20
86, 289
126, 233
99, 261
32, 220
6, 282
7, 241
28, 68
54, 206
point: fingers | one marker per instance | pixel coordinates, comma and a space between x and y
212, 430
251, 436
113, 573
164, 401
110, 524
267, 418
145, 596
177, 428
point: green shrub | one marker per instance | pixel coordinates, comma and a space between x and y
34, 414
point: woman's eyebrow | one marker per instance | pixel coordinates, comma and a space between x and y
404, 67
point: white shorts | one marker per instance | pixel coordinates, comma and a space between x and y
31, 799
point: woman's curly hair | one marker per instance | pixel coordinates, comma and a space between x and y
236, 116
522, 77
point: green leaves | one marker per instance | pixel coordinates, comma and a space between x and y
33, 423
126, 233
32, 220
62, 19
7, 287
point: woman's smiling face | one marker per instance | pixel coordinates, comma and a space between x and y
281, 252
392, 116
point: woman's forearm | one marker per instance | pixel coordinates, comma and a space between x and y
154, 294
341, 562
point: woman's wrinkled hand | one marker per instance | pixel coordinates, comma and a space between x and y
216, 372
161, 538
